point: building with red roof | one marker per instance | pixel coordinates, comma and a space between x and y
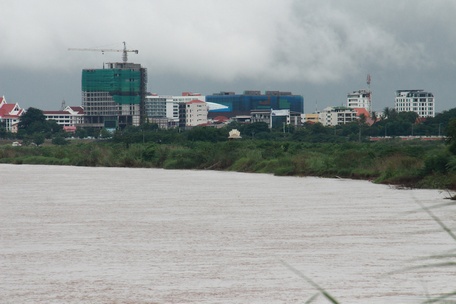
368, 119
360, 99
10, 114
68, 117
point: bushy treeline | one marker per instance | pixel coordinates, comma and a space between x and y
33, 128
412, 163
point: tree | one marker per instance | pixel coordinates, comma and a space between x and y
451, 135
81, 132
409, 117
3, 132
53, 126
38, 139
206, 134
389, 114
255, 128
451, 130
60, 141
32, 121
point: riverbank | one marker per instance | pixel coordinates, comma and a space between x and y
414, 164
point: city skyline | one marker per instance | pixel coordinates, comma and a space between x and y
321, 50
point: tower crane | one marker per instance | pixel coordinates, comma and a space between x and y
124, 51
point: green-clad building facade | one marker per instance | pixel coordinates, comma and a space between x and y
113, 97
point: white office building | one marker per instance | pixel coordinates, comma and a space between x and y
360, 99
68, 117
418, 101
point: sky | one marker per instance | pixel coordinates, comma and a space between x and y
320, 49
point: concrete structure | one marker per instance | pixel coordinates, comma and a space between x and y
114, 96
360, 99
68, 117
310, 118
168, 111
418, 101
195, 113
276, 118
10, 115
236, 105
333, 116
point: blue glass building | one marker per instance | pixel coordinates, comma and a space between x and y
243, 104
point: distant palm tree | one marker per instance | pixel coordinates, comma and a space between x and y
386, 113
389, 113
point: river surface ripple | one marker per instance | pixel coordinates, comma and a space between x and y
120, 235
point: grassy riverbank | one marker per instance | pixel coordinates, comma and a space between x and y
412, 164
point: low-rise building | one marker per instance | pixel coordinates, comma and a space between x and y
310, 118
10, 114
276, 118
68, 117
333, 116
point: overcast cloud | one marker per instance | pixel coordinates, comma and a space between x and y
321, 49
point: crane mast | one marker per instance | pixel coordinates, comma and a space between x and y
124, 51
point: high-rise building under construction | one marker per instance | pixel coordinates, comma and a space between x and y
113, 97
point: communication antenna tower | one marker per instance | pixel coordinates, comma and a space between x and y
368, 81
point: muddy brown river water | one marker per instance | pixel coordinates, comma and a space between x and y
120, 235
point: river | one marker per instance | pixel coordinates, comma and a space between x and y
122, 235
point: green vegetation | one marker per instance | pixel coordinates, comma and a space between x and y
407, 163
311, 150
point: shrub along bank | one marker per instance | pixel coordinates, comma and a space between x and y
412, 164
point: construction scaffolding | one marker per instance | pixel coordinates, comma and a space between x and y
123, 85
114, 95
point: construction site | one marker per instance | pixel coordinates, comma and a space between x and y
114, 96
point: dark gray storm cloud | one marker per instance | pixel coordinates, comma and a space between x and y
320, 49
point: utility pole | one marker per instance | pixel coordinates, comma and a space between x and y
360, 126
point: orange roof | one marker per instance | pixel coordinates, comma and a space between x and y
195, 101
360, 111
221, 119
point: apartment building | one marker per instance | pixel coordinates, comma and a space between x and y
419, 101
195, 113
360, 99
